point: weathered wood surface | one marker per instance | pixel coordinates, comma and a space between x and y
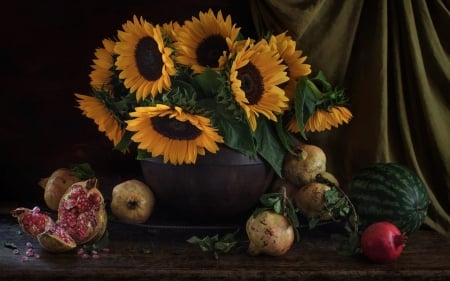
427, 257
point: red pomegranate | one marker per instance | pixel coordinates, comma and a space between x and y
82, 218
32, 221
382, 242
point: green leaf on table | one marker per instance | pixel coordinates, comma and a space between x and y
216, 244
99, 245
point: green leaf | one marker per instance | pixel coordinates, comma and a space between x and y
216, 244
99, 245
269, 199
83, 171
193, 240
142, 154
209, 81
304, 104
285, 138
347, 245
236, 131
147, 251
281, 204
237, 135
277, 207
292, 213
321, 81
10, 245
268, 145
332, 196
125, 142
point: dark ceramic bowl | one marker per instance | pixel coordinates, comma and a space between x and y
219, 186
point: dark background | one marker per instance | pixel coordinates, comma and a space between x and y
46, 52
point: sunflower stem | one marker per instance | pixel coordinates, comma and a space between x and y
314, 89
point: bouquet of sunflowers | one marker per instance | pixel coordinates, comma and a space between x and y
179, 91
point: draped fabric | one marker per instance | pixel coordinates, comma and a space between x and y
392, 59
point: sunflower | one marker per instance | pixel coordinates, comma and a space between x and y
255, 75
204, 41
176, 135
292, 57
95, 109
170, 30
323, 119
143, 59
103, 67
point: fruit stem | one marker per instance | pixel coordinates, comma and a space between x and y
355, 225
284, 201
91, 183
314, 89
400, 240
345, 197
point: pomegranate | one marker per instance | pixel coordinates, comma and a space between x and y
56, 240
310, 201
82, 212
132, 201
305, 165
269, 233
32, 221
382, 242
56, 185
81, 219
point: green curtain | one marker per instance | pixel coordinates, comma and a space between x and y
392, 58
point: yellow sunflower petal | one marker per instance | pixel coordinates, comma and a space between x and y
203, 42
93, 108
262, 73
143, 59
287, 49
172, 133
102, 67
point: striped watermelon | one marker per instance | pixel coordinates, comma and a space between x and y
389, 192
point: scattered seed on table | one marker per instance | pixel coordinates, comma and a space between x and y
29, 252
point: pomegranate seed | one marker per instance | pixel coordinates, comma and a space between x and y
80, 251
29, 253
85, 256
94, 252
29, 245
37, 256
95, 256
16, 252
24, 259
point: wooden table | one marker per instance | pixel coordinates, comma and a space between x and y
162, 253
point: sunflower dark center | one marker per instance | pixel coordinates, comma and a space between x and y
175, 129
251, 82
210, 49
148, 59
